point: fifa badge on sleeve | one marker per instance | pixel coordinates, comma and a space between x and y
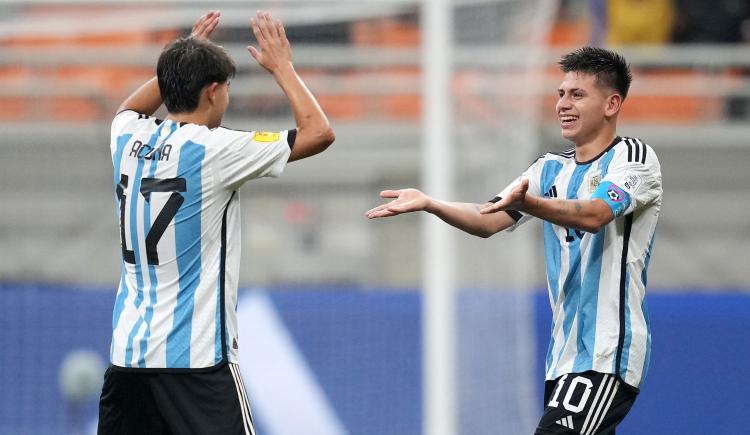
266, 136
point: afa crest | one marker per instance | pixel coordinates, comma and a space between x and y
594, 182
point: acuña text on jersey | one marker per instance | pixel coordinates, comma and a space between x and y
145, 151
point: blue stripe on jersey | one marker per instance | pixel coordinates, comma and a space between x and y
134, 192
217, 322
589, 302
151, 276
188, 249
572, 285
551, 245
644, 307
121, 142
647, 360
628, 330
122, 291
627, 336
135, 197
644, 274
147, 229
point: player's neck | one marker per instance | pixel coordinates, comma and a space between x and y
199, 117
588, 149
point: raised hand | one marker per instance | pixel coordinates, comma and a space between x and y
515, 200
406, 201
205, 25
273, 49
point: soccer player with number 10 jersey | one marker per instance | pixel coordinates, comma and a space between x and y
599, 202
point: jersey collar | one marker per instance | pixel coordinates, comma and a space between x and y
616, 140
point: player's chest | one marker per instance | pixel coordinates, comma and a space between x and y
572, 182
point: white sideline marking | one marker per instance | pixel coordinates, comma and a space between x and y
283, 392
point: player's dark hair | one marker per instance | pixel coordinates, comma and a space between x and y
185, 67
610, 68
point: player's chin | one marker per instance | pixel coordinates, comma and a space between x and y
569, 133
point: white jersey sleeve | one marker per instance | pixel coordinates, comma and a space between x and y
248, 155
124, 121
633, 180
532, 174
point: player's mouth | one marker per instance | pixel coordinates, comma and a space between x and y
567, 121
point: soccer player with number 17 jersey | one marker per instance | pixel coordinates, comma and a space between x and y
174, 341
599, 202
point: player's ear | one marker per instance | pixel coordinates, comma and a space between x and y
614, 102
211, 91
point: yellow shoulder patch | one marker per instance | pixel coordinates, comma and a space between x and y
266, 136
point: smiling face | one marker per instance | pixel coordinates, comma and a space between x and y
585, 107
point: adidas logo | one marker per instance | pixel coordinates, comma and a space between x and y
552, 193
567, 422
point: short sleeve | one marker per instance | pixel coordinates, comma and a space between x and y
246, 155
633, 179
532, 174
122, 120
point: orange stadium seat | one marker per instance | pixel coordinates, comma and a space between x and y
569, 33
385, 32
73, 109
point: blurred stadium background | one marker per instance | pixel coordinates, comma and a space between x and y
332, 307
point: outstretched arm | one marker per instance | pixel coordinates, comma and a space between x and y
147, 98
583, 214
274, 53
464, 216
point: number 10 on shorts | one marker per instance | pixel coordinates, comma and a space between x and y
579, 382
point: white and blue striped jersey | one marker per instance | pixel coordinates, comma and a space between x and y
176, 196
597, 281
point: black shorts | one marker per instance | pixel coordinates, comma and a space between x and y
151, 402
585, 403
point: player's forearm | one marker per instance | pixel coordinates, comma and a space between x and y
146, 99
587, 215
314, 133
466, 217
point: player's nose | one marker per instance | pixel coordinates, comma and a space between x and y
563, 103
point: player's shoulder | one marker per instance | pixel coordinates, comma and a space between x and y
132, 115
562, 157
565, 156
228, 132
634, 150
127, 121
222, 137
258, 138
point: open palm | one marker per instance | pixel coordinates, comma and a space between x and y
205, 25
406, 201
273, 49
